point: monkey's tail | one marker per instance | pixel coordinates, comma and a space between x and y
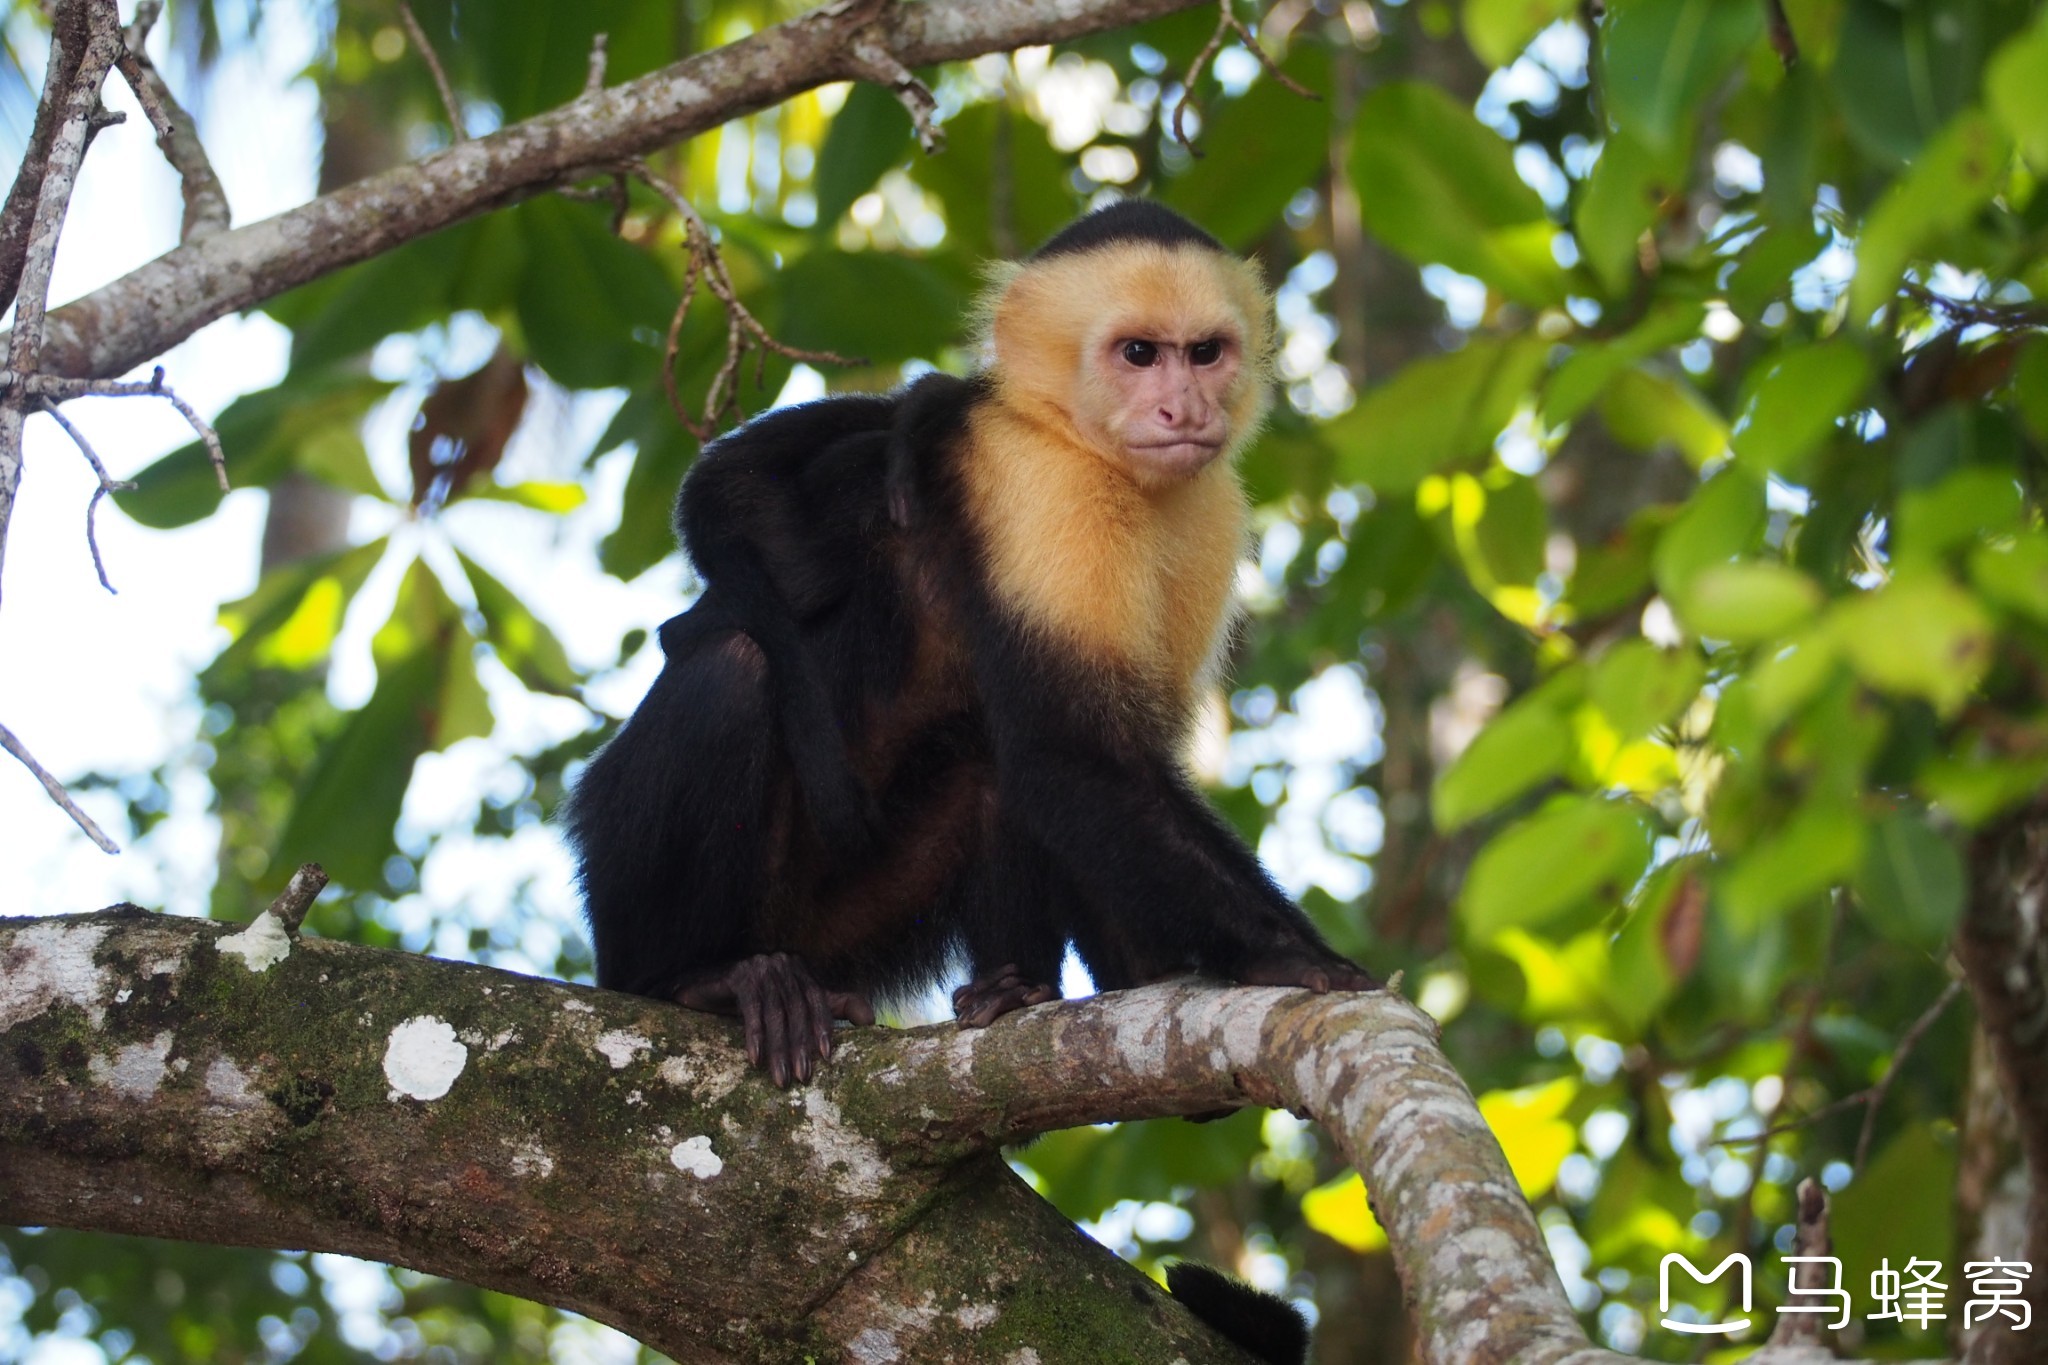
1264, 1324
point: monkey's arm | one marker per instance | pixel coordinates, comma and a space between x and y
778, 517
1168, 884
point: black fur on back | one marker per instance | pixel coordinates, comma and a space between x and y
1127, 220
1264, 1324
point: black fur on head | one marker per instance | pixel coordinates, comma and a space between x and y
1127, 220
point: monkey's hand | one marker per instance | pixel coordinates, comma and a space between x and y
785, 1014
986, 999
1319, 971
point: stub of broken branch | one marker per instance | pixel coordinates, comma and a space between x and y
298, 896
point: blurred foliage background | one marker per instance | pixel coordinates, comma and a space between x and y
1650, 593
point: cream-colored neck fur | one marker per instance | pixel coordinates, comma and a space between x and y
1122, 576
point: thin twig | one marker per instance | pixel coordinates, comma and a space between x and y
1871, 1098
743, 329
2006, 316
51, 388
1227, 23
177, 136
593, 79
433, 61
298, 896
1907, 1042
107, 485
1783, 41
875, 62
56, 791
99, 24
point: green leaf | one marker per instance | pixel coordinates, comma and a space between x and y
1435, 412
1947, 185
1639, 686
985, 142
1627, 187
1550, 863
533, 55
1661, 58
664, 452
870, 133
1918, 636
345, 812
1790, 147
1586, 373
2017, 93
1900, 1208
290, 621
522, 643
1439, 186
874, 304
1819, 846
1910, 885
594, 314
2030, 387
263, 434
346, 313
1519, 748
1498, 30
1792, 403
1901, 71
1974, 789
1747, 601
1648, 410
558, 499
1764, 269
1724, 519
2014, 576
1258, 151
1967, 504
1513, 529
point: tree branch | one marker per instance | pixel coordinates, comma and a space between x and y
159, 304
2004, 953
177, 136
164, 1076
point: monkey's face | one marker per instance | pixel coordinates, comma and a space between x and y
1163, 400
1155, 357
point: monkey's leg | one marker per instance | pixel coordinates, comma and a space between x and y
1014, 926
784, 1013
671, 820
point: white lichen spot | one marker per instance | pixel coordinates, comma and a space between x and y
635, 1098
134, 1071
1023, 1356
693, 1156
854, 1164
423, 1058
502, 1039
51, 964
531, 1159
229, 1085
577, 1007
261, 946
975, 1316
873, 1347
121, 996
620, 1047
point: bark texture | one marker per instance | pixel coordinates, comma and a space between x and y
191, 1079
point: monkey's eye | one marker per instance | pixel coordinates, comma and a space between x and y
1206, 352
1141, 353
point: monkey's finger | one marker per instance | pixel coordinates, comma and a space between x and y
715, 996
817, 1021
775, 1024
753, 1025
994, 1005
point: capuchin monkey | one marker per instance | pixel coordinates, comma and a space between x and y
934, 698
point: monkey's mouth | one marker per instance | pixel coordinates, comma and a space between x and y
1183, 456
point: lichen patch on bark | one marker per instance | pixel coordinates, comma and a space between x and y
693, 1156
261, 946
52, 964
423, 1058
136, 1070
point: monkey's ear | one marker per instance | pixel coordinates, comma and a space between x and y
928, 414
